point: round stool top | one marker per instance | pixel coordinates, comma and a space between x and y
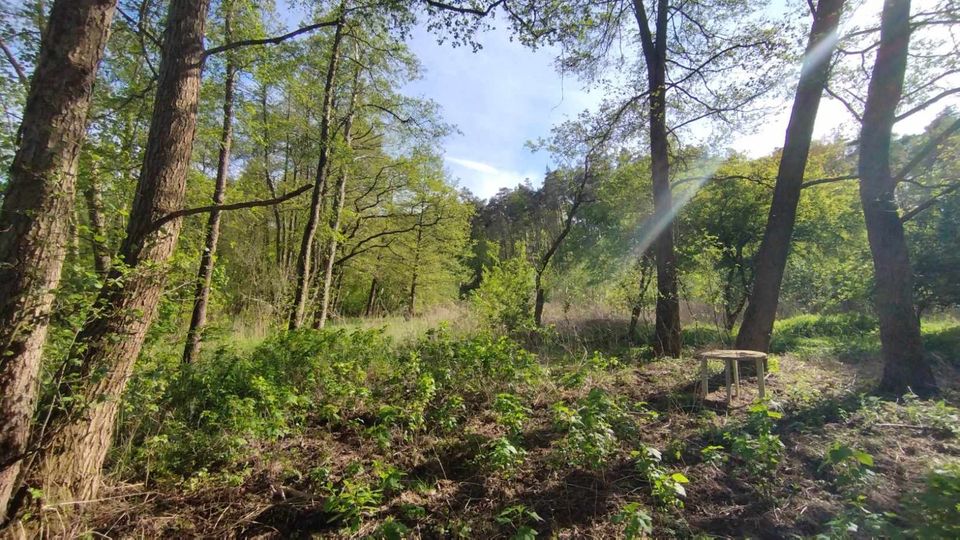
733, 354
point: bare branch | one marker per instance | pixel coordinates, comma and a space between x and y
224, 207
907, 216
271, 40
21, 74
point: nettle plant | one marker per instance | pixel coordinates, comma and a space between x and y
510, 413
756, 447
502, 455
637, 523
666, 488
593, 428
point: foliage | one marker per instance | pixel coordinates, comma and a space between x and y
592, 428
935, 510
665, 487
756, 447
637, 523
505, 296
212, 411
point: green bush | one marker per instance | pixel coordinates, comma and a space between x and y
505, 296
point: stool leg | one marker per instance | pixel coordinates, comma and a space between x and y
726, 378
705, 375
760, 377
736, 377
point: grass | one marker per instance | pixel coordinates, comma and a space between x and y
448, 435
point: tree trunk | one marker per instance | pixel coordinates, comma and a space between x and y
771, 259
371, 297
277, 220
338, 199
305, 258
98, 225
540, 300
412, 298
905, 366
201, 296
101, 362
667, 328
37, 208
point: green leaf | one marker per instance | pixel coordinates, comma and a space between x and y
679, 478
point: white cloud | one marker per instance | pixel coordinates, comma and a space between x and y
483, 179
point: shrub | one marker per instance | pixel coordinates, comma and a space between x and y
505, 296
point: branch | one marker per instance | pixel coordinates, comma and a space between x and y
140, 27
927, 103
21, 74
925, 151
223, 207
819, 181
271, 40
464, 10
907, 216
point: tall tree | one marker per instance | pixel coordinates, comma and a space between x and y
905, 366
75, 443
305, 257
339, 195
201, 297
654, 44
771, 259
37, 208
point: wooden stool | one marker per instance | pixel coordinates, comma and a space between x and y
731, 359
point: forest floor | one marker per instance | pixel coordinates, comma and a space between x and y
822, 457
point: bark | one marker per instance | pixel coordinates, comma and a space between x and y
771, 259
76, 441
277, 220
201, 296
37, 209
98, 226
637, 309
338, 200
905, 366
415, 274
667, 328
305, 258
539, 300
371, 297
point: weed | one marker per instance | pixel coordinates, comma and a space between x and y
637, 523
593, 429
519, 518
665, 487
510, 413
936, 508
502, 455
757, 448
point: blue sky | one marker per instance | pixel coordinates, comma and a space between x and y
499, 97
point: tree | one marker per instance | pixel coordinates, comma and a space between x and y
37, 206
905, 366
198, 319
305, 258
75, 443
771, 259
